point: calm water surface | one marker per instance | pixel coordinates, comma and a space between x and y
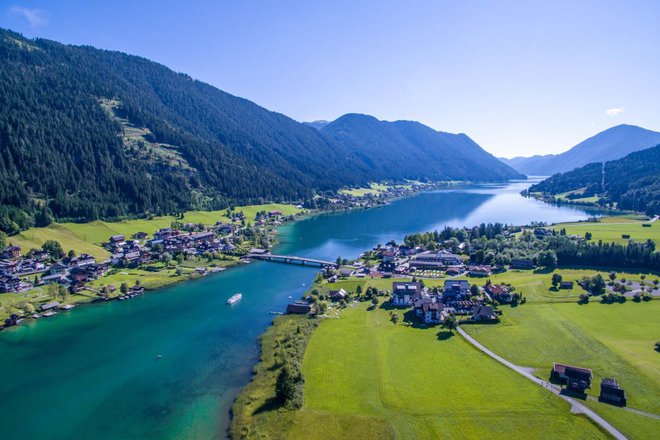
95, 372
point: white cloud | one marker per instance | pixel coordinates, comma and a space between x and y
35, 17
614, 111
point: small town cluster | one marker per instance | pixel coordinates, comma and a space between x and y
73, 273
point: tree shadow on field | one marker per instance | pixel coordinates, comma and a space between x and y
269, 405
445, 335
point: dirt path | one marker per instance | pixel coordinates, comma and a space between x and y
576, 406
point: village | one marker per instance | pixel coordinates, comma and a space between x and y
61, 274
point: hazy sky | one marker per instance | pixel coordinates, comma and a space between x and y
519, 77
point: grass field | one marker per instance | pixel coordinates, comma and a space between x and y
614, 340
367, 378
87, 237
611, 229
537, 287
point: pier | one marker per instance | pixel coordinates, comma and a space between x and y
290, 259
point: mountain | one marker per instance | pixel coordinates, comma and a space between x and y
88, 134
414, 151
317, 124
633, 182
613, 143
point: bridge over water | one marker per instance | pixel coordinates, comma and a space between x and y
291, 259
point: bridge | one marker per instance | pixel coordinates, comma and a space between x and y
290, 259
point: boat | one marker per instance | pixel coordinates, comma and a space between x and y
234, 298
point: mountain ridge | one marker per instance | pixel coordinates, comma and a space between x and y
611, 144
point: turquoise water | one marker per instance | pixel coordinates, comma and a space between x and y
95, 372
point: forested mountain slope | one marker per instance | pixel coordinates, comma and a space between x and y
633, 183
88, 133
613, 143
414, 151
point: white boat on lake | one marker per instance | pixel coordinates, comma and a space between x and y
234, 298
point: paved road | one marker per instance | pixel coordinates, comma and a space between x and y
576, 406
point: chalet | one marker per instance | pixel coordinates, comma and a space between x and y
482, 313
388, 255
257, 251
337, 295
58, 269
10, 284
299, 308
479, 271
11, 252
8, 267
456, 289
428, 310
137, 290
162, 234
404, 294
454, 270
55, 278
82, 260
566, 285
522, 263
611, 392
275, 213
117, 239
499, 292
49, 306
140, 235
576, 378
345, 272
203, 236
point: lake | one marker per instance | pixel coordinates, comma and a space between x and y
168, 364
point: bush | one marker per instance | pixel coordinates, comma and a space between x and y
583, 299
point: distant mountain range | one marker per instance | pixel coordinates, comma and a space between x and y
613, 143
413, 150
630, 183
88, 133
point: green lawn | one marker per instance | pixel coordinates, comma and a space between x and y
615, 340
612, 228
367, 378
537, 287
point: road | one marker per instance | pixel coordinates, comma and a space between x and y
576, 406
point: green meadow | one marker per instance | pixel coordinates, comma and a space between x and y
612, 229
373, 379
368, 378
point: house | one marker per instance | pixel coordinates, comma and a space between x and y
257, 251
577, 378
404, 294
117, 239
454, 270
499, 292
163, 234
137, 289
480, 271
10, 284
55, 278
456, 289
11, 252
140, 235
58, 269
49, 306
522, 263
337, 295
482, 313
299, 308
275, 213
611, 392
566, 285
428, 310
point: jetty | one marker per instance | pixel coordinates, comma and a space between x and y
291, 259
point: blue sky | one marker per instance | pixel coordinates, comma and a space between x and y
521, 78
